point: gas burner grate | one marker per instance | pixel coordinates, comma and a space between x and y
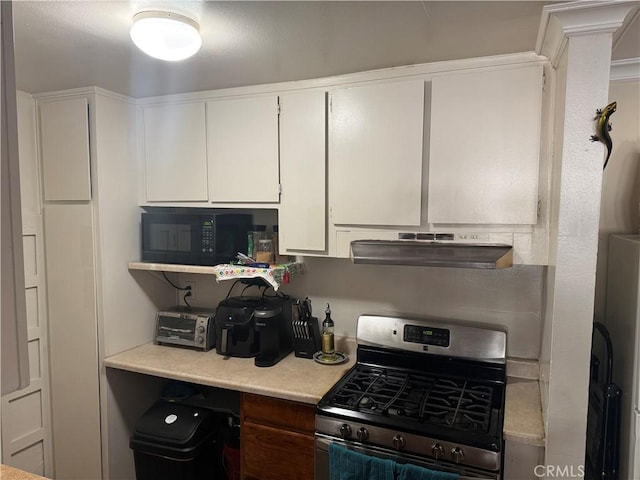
453, 403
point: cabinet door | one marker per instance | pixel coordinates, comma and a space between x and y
64, 137
302, 219
242, 139
375, 154
277, 438
484, 154
73, 340
273, 454
175, 153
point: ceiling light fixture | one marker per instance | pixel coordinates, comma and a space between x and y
166, 36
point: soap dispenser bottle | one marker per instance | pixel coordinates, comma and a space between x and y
328, 341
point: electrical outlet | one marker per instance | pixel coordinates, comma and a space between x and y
191, 298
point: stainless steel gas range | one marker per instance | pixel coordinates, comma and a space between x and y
424, 392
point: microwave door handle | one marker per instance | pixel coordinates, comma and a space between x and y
224, 341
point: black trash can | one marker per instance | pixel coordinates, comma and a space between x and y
174, 441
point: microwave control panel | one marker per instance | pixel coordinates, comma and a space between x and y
207, 235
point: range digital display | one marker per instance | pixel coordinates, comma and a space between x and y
426, 335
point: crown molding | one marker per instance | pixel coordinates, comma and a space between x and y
625, 70
561, 21
82, 91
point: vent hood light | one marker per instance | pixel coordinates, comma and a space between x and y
165, 36
431, 254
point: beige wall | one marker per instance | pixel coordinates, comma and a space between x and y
620, 207
510, 298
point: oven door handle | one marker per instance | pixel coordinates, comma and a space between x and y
322, 459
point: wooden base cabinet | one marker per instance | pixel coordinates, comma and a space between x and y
277, 440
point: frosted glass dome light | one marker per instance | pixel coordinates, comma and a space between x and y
166, 36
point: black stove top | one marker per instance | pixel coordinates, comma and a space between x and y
453, 403
452, 408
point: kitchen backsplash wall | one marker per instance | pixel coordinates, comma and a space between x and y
510, 298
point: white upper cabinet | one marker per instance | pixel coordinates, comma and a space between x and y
484, 147
375, 153
242, 141
302, 216
175, 153
64, 137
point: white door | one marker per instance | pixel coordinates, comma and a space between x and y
302, 216
242, 148
26, 417
26, 429
375, 153
64, 143
175, 153
484, 147
73, 337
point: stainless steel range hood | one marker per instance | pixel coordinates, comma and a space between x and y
431, 254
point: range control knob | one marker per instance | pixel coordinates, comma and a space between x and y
345, 431
437, 451
362, 434
398, 442
457, 454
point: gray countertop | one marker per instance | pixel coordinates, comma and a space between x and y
523, 412
298, 379
304, 380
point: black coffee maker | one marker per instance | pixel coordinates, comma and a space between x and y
255, 327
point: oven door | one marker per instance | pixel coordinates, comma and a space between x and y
322, 460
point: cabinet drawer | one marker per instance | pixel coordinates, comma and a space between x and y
278, 413
273, 454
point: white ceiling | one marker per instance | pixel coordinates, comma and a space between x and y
69, 44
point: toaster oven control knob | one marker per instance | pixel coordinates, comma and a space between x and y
437, 451
200, 329
398, 442
345, 431
199, 340
457, 454
362, 434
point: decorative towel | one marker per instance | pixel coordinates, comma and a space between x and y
413, 472
276, 276
345, 464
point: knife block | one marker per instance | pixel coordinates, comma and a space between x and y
305, 345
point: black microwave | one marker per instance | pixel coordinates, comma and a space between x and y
194, 239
